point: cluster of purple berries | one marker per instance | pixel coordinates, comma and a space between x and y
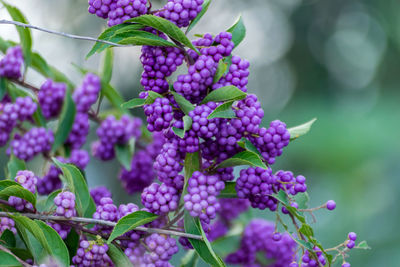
91, 253
11, 63
117, 11
237, 75
201, 200
259, 239
159, 114
168, 164
7, 224
181, 12
28, 180
86, 95
160, 199
51, 97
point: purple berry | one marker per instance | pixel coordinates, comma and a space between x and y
65, 204
79, 158
352, 236
91, 253
160, 199
98, 193
122, 10
237, 75
79, 131
181, 12
51, 97
11, 64
249, 115
28, 180
330, 205
159, 115
26, 107
86, 95
168, 163
8, 120
201, 125
161, 249
7, 223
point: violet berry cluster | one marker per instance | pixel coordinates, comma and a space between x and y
11, 64
91, 253
27, 180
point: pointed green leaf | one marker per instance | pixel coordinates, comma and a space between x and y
187, 124
221, 69
135, 37
24, 33
183, 103
18, 191
57, 246
49, 204
192, 164
8, 260
8, 238
363, 245
246, 144
152, 97
130, 222
202, 247
113, 96
107, 65
296, 132
118, 257
204, 9
134, 103
226, 93
164, 26
243, 158
3, 87
223, 111
7, 183
65, 122
238, 31
77, 184
72, 242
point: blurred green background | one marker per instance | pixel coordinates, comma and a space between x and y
337, 60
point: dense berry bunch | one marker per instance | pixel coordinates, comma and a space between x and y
271, 141
193, 85
98, 193
7, 223
286, 181
86, 95
201, 200
51, 97
106, 211
256, 184
65, 204
181, 12
161, 249
350, 243
158, 64
221, 47
25, 107
121, 10
50, 181
8, 120
79, 158
100, 7
80, 130
28, 180
168, 163
11, 64
308, 261
237, 75
159, 114
201, 125
35, 141
91, 253
257, 240
160, 199
249, 115
141, 173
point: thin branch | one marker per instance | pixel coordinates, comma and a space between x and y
18, 259
68, 35
99, 222
26, 85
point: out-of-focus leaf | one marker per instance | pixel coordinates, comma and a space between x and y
118, 257
8, 260
204, 9
223, 111
229, 190
297, 131
243, 158
8, 238
238, 31
107, 65
226, 93
18, 191
14, 165
66, 121
134, 103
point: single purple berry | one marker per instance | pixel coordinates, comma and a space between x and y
330, 205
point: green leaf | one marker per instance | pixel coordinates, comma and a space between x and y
183, 103
65, 123
152, 96
248, 145
192, 164
118, 257
33, 237
130, 222
134, 103
223, 111
14, 165
306, 230
363, 245
7, 183
8, 260
3, 87
226, 93
8, 238
143, 38
107, 35
308, 245
222, 67
164, 26
58, 249
72, 242
77, 184
296, 132
282, 197
238, 31
112, 95
243, 158
24, 33
190, 259
38, 117
18, 191
107, 65
124, 154
23, 254
202, 247
204, 9
229, 190
302, 200
187, 124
